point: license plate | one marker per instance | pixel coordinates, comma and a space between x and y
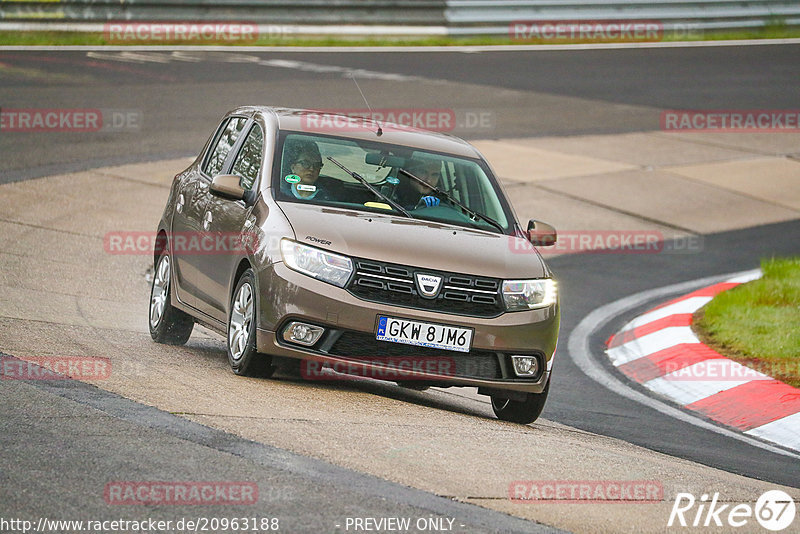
437, 336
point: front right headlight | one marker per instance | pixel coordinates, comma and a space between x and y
529, 294
317, 263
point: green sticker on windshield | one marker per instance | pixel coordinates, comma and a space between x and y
292, 178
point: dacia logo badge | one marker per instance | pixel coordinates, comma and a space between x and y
428, 285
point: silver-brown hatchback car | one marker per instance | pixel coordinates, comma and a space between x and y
356, 248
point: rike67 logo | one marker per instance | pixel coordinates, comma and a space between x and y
774, 510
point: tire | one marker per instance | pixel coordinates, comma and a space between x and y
241, 331
168, 324
522, 412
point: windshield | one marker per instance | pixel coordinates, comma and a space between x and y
318, 170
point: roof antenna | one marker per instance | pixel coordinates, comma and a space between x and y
380, 130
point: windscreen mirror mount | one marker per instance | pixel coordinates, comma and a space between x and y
384, 160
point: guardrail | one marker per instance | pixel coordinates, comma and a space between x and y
414, 12
482, 16
445, 17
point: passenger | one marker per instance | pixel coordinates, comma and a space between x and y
412, 194
302, 164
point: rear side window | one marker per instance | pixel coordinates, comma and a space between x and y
248, 161
225, 141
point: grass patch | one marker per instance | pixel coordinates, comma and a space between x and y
758, 323
33, 38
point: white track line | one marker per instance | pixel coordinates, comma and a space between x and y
784, 430
689, 305
651, 343
578, 347
747, 277
685, 392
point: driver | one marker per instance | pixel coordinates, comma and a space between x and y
412, 194
301, 174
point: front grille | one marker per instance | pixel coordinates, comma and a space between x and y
364, 347
460, 294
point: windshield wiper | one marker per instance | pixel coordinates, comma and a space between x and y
472, 213
366, 184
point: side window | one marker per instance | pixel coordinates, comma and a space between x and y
248, 161
224, 143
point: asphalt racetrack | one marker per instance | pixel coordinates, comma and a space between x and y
178, 94
62, 441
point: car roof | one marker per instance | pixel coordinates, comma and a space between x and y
311, 121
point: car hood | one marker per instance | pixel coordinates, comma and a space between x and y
414, 242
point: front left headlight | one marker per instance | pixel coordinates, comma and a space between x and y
320, 264
529, 294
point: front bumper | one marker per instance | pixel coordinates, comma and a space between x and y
291, 296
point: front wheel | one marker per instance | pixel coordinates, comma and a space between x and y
167, 323
242, 354
522, 412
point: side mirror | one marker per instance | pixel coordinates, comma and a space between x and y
541, 234
227, 186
